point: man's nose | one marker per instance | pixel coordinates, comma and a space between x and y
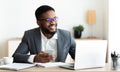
53, 22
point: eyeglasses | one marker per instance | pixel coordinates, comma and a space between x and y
50, 19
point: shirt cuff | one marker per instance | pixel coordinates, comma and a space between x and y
31, 58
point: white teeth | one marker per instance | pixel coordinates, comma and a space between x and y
52, 26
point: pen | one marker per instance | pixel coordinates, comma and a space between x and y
114, 54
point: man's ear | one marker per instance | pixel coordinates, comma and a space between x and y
38, 22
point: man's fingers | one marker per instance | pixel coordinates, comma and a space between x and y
43, 54
43, 57
50, 57
45, 60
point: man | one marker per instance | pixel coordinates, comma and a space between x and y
45, 43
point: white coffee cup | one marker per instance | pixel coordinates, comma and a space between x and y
1, 62
6, 60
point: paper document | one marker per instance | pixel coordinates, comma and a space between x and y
19, 66
16, 66
51, 64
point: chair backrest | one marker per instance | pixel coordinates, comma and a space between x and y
12, 46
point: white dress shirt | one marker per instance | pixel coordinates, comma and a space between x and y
48, 46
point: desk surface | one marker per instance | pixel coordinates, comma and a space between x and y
57, 69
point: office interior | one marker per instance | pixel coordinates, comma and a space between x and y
17, 16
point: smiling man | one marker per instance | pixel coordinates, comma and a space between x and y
46, 43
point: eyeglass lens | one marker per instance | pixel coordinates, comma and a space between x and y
52, 19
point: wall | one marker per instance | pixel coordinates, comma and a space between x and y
114, 28
16, 16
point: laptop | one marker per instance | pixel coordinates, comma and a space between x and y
89, 54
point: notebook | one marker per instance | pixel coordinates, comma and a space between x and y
19, 66
89, 54
16, 66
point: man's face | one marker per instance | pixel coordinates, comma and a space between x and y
48, 22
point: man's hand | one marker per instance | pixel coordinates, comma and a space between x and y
43, 57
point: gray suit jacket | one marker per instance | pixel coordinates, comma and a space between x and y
31, 42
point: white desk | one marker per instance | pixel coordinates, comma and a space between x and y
57, 69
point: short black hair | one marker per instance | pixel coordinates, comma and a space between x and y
42, 9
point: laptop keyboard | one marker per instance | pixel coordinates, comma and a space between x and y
72, 66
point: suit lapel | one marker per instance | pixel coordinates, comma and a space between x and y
38, 40
59, 46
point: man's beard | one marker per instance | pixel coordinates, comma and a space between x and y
47, 31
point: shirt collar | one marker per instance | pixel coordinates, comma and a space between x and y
54, 36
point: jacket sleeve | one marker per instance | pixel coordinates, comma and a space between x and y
72, 47
20, 54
